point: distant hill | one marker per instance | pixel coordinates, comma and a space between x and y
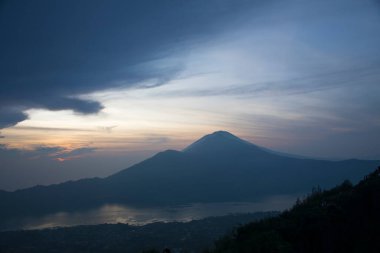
219, 167
343, 219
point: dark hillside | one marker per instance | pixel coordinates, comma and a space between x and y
343, 219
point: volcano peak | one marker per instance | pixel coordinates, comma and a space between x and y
216, 141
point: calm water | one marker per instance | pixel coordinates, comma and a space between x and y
140, 216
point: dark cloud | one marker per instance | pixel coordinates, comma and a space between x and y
78, 105
52, 51
10, 117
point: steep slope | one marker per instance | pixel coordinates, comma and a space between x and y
219, 167
343, 219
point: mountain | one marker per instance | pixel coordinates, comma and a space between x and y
343, 219
219, 167
217, 142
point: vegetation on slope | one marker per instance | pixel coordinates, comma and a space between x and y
343, 219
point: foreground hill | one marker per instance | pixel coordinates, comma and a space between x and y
219, 167
344, 219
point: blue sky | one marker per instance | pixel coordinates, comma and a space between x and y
91, 87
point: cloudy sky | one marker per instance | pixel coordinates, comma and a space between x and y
88, 88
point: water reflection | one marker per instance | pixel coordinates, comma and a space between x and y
141, 216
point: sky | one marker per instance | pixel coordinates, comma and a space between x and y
88, 88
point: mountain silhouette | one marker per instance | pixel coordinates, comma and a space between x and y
219, 167
220, 141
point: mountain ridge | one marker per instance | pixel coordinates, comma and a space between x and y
217, 141
219, 167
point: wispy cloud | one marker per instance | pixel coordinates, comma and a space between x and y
369, 75
54, 129
107, 129
57, 153
68, 155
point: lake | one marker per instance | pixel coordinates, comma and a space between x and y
115, 213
